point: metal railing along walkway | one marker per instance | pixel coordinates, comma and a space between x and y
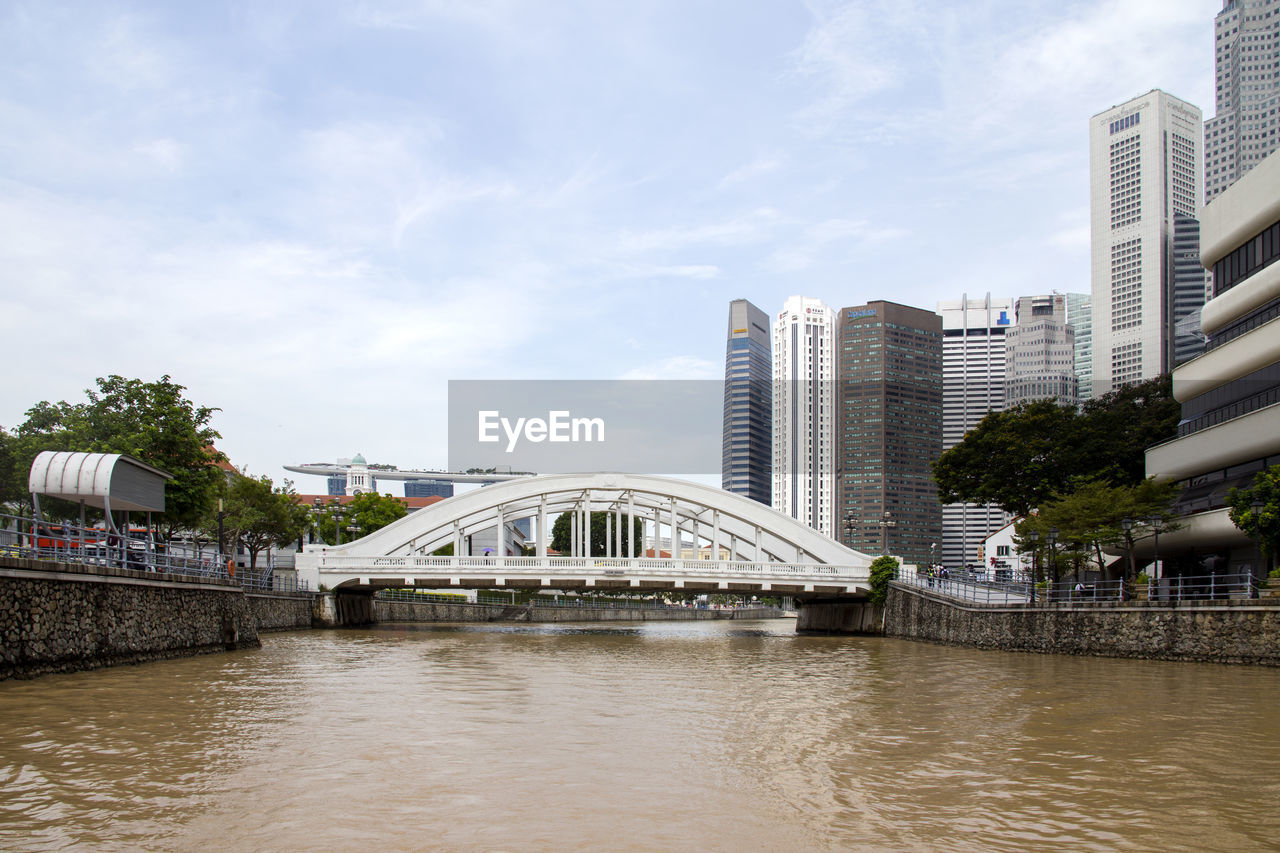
1212, 587
63, 542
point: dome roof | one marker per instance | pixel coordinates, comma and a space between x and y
358, 460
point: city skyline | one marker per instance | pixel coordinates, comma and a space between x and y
312, 222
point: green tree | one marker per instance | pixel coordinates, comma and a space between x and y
1262, 524
1022, 457
561, 534
368, 511
150, 421
259, 514
1121, 425
1015, 459
11, 490
1089, 520
883, 570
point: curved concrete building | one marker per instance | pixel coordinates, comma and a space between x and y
1230, 395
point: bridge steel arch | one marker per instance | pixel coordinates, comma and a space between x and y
767, 550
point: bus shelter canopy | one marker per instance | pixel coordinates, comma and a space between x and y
107, 481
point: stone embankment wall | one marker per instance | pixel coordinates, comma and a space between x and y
281, 611
414, 611
56, 617
1217, 632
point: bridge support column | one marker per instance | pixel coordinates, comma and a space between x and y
341, 610
839, 617
542, 526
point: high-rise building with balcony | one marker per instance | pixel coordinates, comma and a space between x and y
804, 412
1144, 173
973, 377
888, 397
746, 462
1244, 127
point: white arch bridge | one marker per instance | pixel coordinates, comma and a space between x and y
766, 551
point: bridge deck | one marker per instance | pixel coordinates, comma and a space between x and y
588, 572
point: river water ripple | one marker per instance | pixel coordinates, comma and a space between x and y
660, 736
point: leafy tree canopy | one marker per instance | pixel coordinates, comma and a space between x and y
258, 514
1089, 518
883, 570
561, 533
1018, 459
151, 421
368, 511
1263, 524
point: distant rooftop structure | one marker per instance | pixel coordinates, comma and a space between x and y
343, 467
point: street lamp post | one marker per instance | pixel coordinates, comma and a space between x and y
1053, 554
885, 524
1257, 506
1157, 524
849, 527
1034, 536
221, 515
1126, 524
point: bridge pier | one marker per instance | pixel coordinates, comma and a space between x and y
342, 610
839, 617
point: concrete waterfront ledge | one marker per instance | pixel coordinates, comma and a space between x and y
58, 617
1212, 631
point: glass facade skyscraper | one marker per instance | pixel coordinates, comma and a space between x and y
888, 429
746, 463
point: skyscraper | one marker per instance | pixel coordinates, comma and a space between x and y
1080, 317
888, 429
1187, 340
746, 462
973, 374
1243, 129
1041, 353
804, 412
1144, 173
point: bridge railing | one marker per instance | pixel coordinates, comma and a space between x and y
590, 565
504, 598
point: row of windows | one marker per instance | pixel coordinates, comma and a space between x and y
1125, 123
1260, 251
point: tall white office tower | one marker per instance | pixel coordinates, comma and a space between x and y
1080, 317
1041, 353
804, 412
1144, 173
1246, 56
973, 377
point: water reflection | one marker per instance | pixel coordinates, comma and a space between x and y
694, 735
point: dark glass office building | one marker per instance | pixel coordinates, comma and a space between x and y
888, 430
746, 463
427, 489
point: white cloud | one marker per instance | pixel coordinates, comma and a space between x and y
165, 153
677, 367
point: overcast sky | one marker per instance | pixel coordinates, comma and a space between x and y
315, 214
